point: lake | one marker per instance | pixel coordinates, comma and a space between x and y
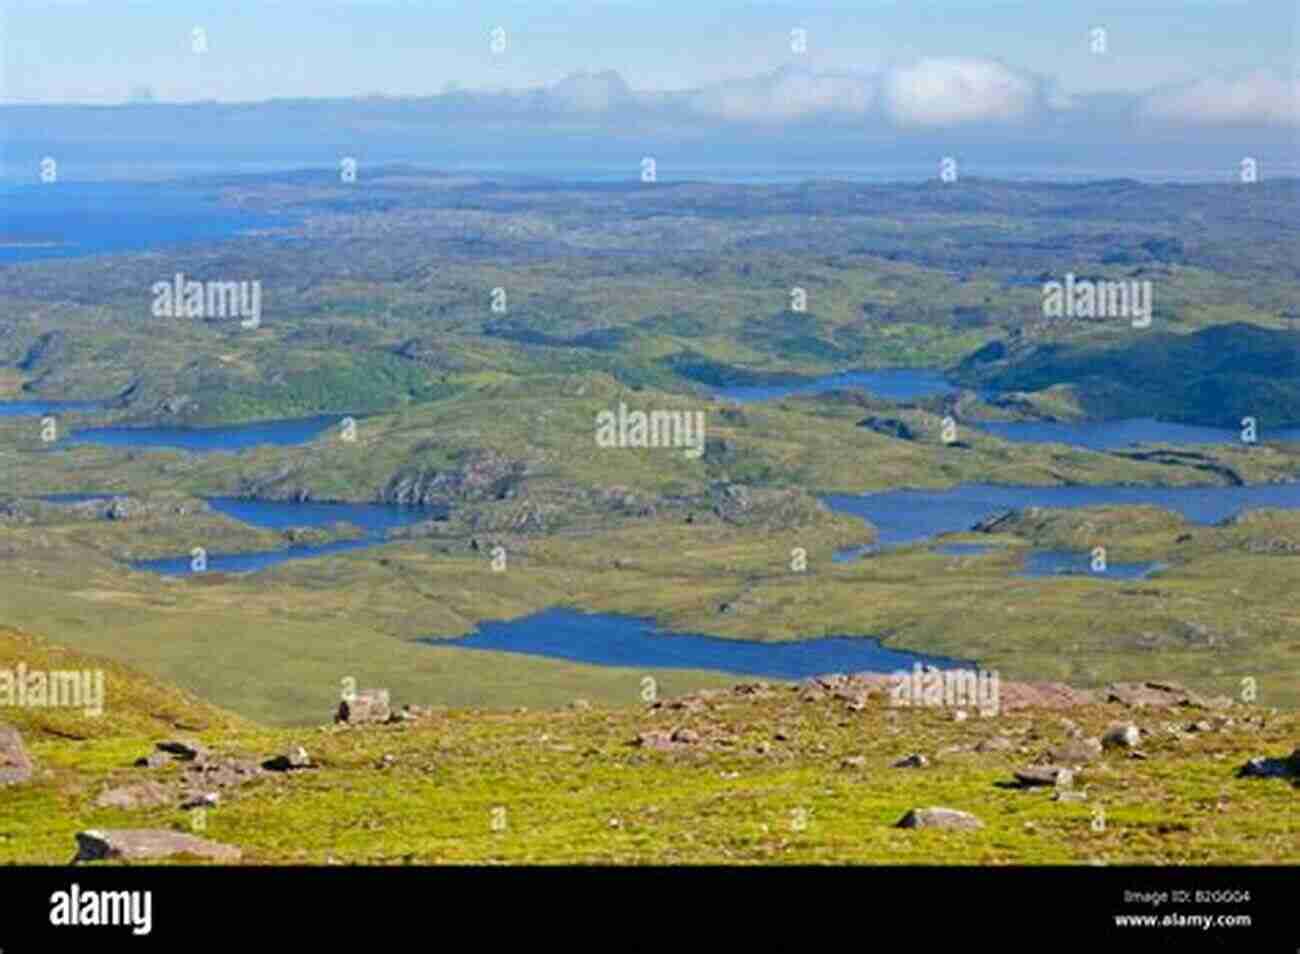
1041, 563
206, 440
894, 384
909, 516
636, 643
41, 408
1115, 435
375, 520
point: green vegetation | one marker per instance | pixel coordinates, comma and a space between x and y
771, 776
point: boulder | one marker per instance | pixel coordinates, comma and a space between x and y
1265, 767
295, 758
1124, 735
1040, 775
1077, 752
915, 760
948, 818
201, 800
654, 740
183, 750
140, 795
144, 844
15, 764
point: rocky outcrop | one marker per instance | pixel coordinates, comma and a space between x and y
144, 844
1156, 694
742, 505
889, 426
485, 475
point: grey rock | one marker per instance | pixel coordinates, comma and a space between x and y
15, 764
144, 844
948, 818
183, 750
1077, 752
140, 795
1122, 735
1042, 775
295, 758
1266, 767
201, 800
915, 760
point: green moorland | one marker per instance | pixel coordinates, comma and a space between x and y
759, 776
385, 296
275, 645
644, 296
381, 307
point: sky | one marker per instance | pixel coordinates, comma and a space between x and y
107, 51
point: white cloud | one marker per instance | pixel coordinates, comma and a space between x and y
950, 90
590, 92
785, 95
1258, 98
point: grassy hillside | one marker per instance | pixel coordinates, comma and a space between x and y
759, 774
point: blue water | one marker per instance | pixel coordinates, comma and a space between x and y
205, 440
849, 554
894, 384
1069, 563
908, 516
634, 642
282, 515
83, 218
41, 408
251, 562
374, 519
1114, 435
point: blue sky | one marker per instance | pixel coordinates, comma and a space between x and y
100, 51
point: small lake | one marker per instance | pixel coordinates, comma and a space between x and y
1116, 435
910, 516
375, 520
41, 408
1037, 563
894, 384
207, 440
1070, 563
635, 642
251, 562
